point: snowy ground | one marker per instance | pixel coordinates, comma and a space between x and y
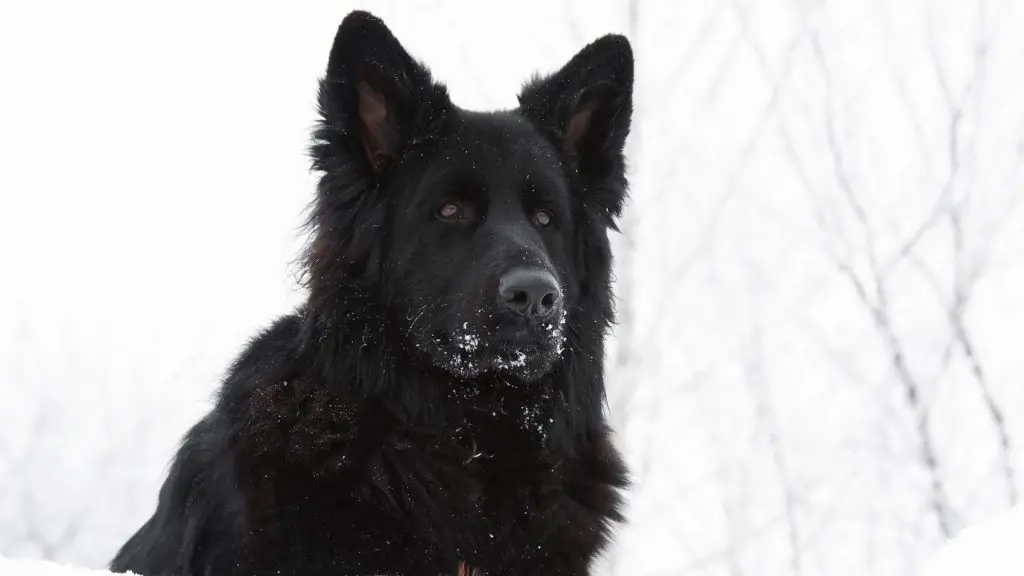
40, 568
992, 548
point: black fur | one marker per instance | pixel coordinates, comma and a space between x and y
399, 423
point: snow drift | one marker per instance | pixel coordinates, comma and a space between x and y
993, 548
41, 568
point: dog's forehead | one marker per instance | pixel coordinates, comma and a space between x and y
502, 142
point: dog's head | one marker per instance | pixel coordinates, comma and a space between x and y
481, 236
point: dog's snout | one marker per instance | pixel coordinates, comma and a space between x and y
531, 293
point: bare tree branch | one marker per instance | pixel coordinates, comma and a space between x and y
756, 375
876, 300
778, 82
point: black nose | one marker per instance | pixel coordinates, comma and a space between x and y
529, 292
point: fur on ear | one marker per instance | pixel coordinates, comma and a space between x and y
585, 109
374, 100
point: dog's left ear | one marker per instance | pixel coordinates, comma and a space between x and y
585, 108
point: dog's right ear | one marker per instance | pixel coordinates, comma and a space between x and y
374, 100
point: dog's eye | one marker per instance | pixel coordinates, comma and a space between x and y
543, 218
451, 211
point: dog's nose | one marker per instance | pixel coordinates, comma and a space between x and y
529, 292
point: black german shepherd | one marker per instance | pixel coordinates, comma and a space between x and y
436, 406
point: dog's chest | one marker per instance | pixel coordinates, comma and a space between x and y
508, 420
507, 468
503, 492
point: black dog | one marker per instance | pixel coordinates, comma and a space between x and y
436, 407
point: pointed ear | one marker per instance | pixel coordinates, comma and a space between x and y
374, 100
585, 108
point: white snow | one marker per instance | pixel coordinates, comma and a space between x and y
43, 568
993, 548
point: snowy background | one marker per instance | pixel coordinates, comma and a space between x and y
818, 370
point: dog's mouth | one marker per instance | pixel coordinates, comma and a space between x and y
525, 352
